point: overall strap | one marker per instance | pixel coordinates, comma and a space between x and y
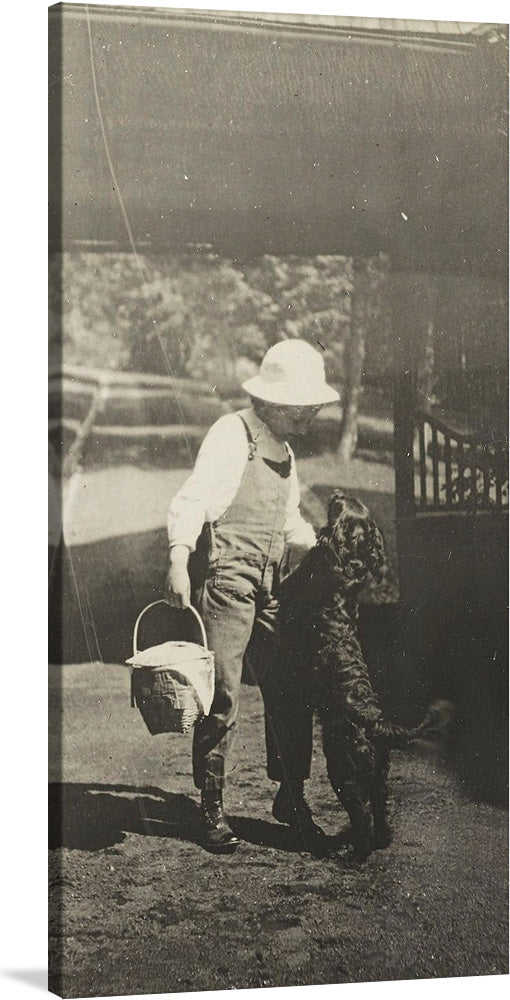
281, 468
252, 447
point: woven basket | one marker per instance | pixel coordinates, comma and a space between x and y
163, 691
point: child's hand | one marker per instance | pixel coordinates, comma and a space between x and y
178, 585
295, 556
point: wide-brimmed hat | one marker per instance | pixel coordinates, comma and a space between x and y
292, 374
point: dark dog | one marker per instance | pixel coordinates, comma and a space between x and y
322, 652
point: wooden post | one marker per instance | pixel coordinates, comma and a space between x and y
404, 394
435, 467
448, 468
73, 456
423, 466
413, 306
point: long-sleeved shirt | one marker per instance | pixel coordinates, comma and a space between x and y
214, 482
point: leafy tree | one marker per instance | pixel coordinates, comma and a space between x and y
224, 319
310, 299
185, 316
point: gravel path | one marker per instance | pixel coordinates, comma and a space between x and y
145, 909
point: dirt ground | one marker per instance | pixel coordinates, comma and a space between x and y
145, 909
138, 906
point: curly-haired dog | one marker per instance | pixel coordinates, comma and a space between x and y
321, 654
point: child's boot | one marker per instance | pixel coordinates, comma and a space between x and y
215, 833
291, 807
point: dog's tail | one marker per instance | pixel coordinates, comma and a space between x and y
433, 726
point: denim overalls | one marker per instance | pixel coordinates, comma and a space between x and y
234, 573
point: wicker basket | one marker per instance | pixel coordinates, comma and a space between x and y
165, 678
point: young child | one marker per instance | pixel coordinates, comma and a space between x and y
228, 527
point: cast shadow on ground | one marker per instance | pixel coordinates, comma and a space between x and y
92, 817
98, 589
282, 838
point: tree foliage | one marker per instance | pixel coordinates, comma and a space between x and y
311, 300
203, 315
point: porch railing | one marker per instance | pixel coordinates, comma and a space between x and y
455, 470
439, 467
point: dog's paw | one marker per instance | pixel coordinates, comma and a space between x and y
359, 855
382, 837
361, 849
325, 851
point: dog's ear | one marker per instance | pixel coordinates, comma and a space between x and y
376, 555
336, 505
337, 495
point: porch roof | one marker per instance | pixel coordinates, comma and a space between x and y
255, 133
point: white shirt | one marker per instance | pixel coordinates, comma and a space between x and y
213, 484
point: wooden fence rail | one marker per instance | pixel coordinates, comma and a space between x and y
92, 389
96, 376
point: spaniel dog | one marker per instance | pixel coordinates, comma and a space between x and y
321, 649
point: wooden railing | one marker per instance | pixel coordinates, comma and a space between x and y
93, 396
439, 467
77, 376
457, 470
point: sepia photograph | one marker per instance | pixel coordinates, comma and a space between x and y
278, 499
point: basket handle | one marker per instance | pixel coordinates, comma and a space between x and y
189, 607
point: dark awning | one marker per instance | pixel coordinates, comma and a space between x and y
303, 138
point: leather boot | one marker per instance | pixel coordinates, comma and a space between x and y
291, 807
215, 833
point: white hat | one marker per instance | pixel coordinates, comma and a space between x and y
292, 374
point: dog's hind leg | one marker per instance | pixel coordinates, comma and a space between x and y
382, 834
356, 801
351, 785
